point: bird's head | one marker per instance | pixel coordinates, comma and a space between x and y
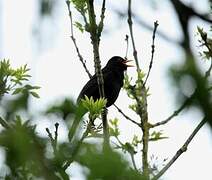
118, 62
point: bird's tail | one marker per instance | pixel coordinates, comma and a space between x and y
80, 111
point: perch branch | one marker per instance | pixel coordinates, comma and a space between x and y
95, 39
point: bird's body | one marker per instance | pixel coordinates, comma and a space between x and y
113, 75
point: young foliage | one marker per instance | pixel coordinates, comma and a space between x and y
11, 80
157, 135
94, 107
107, 165
80, 5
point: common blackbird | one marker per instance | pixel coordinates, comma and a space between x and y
113, 75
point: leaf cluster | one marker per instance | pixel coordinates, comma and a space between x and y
107, 165
12, 79
136, 92
94, 107
80, 5
24, 149
157, 135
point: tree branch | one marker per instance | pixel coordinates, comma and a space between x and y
133, 161
187, 102
101, 23
181, 150
175, 113
130, 23
142, 106
75, 43
95, 42
127, 117
153, 51
53, 140
127, 46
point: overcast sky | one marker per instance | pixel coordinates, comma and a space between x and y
55, 67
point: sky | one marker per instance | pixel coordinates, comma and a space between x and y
55, 67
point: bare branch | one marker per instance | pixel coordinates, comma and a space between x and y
187, 102
175, 113
181, 150
130, 23
153, 51
127, 117
53, 140
101, 23
56, 134
127, 47
75, 43
50, 137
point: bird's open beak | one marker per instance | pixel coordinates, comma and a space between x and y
128, 65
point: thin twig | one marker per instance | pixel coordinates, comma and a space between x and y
153, 51
127, 47
133, 161
175, 113
101, 23
208, 72
186, 102
75, 43
127, 117
4, 123
131, 154
132, 36
180, 151
51, 139
56, 134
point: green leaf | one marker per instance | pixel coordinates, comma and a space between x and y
79, 26
94, 107
29, 87
80, 5
17, 91
34, 94
157, 135
113, 128
129, 148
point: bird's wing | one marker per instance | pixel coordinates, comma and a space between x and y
90, 88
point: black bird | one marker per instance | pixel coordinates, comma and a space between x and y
113, 75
